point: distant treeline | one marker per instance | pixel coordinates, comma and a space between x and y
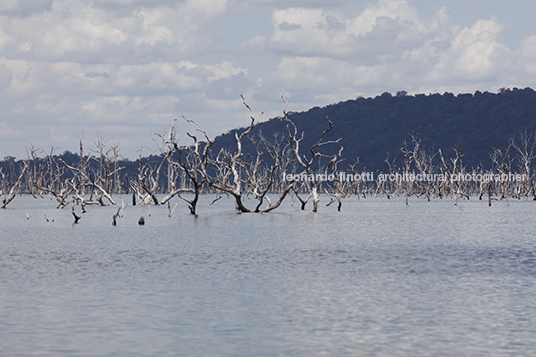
475, 143
48, 165
372, 129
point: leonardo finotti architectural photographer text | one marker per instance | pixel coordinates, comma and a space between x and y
405, 177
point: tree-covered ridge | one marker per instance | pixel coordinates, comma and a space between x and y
404, 145
373, 129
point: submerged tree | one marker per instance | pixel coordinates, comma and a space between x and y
524, 143
228, 164
306, 161
9, 190
85, 177
192, 160
264, 169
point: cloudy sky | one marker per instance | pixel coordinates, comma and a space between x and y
122, 70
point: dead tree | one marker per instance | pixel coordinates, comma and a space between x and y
445, 188
502, 162
257, 179
147, 185
89, 180
262, 179
47, 176
76, 217
192, 161
8, 196
525, 145
149, 180
458, 172
106, 174
339, 194
306, 163
38, 168
137, 191
409, 155
424, 164
228, 166
351, 184
86, 178
385, 183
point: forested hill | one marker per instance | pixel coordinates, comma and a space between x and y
375, 128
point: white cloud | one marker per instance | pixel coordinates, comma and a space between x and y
528, 56
383, 30
475, 53
24, 8
81, 32
75, 81
73, 97
6, 76
291, 3
128, 67
321, 80
387, 47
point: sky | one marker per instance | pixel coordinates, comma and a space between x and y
120, 71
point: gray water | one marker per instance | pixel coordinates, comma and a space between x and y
377, 279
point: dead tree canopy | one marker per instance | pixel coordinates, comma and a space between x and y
266, 172
192, 160
12, 191
228, 164
315, 157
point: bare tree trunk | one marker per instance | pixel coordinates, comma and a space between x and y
13, 190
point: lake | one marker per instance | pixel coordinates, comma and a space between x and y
378, 278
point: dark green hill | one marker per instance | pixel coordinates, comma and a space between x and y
373, 128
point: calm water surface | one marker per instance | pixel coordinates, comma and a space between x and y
377, 279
